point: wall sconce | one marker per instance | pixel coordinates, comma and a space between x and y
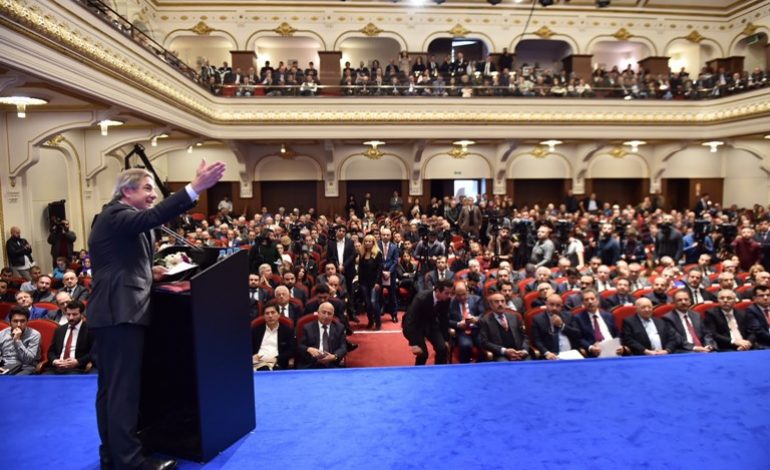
551, 144
21, 103
460, 148
373, 152
713, 145
635, 144
286, 153
105, 124
154, 141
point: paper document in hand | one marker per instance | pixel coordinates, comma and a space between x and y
181, 267
609, 347
570, 355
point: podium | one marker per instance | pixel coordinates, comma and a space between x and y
197, 380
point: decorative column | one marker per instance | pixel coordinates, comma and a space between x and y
329, 70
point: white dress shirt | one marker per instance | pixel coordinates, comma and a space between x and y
269, 346
652, 333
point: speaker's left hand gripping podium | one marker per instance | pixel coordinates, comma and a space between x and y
197, 383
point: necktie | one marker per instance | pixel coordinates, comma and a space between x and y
598, 336
283, 311
441, 276
696, 297
767, 314
68, 346
502, 321
385, 254
695, 339
325, 338
735, 333
465, 317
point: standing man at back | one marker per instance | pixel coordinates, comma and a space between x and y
121, 247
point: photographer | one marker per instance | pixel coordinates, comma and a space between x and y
428, 249
61, 239
264, 251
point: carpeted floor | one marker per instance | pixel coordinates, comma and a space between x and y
679, 412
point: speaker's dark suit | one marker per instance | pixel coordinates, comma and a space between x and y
465, 342
583, 321
121, 248
716, 325
286, 342
83, 346
636, 339
758, 324
311, 338
424, 320
492, 338
547, 338
680, 328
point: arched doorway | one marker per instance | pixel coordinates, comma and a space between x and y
472, 49
365, 51
195, 50
287, 50
689, 56
608, 55
543, 54
754, 50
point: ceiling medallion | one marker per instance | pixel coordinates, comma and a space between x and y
285, 30
622, 35
539, 152
750, 29
544, 32
459, 31
695, 37
373, 152
371, 30
618, 152
202, 29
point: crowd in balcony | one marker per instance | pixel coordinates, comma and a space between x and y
458, 77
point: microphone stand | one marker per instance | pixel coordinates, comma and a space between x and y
180, 238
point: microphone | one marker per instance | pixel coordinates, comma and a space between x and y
180, 238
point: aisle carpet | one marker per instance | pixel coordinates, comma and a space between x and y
679, 412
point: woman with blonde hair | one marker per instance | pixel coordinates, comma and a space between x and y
370, 279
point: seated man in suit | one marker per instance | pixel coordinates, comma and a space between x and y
475, 267
70, 351
622, 295
659, 295
576, 300
34, 272
759, 316
441, 272
272, 343
603, 281
688, 326
465, 310
695, 290
290, 281
257, 294
554, 330
19, 344
502, 332
284, 307
646, 335
43, 291
5, 296
323, 341
542, 274
635, 277
427, 318
544, 290
71, 286
572, 282
6, 274
330, 269
60, 315
595, 325
24, 299
729, 327
512, 301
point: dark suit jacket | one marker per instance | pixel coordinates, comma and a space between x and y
680, 328
706, 295
423, 318
311, 338
758, 324
432, 278
635, 337
583, 321
492, 340
83, 345
294, 312
79, 293
614, 300
658, 301
716, 326
475, 308
121, 249
390, 262
300, 294
546, 338
16, 249
348, 267
287, 344
339, 306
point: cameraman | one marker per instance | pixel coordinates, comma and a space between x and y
428, 250
668, 241
62, 240
264, 251
502, 245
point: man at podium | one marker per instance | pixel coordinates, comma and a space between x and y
121, 247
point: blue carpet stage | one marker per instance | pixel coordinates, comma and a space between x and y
687, 411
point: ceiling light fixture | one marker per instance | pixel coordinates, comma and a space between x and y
460, 148
373, 152
154, 141
189, 148
551, 144
602, 3
635, 144
713, 145
286, 152
21, 103
105, 124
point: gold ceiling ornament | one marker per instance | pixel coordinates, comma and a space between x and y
54, 141
285, 30
694, 36
622, 35
460, 148
539, 152
618, 152
544, 32
373, 152
202, 29
371, 30
287, 153
750, 29
459, 31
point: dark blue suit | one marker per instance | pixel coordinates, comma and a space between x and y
465, 342
546, 338
583, 321
389, 263
758, 324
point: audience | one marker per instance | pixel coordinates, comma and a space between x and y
70, 351
19, 345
